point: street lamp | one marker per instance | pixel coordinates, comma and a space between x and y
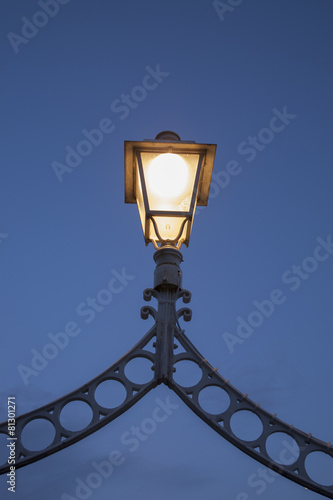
167, 178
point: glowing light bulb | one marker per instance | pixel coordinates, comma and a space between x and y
167, 175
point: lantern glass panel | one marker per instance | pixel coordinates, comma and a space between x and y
170, 180
168, 228
140, 202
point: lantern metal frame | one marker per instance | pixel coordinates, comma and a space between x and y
168, 142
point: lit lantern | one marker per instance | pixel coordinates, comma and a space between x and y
167, 178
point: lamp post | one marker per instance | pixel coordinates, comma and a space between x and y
167, 178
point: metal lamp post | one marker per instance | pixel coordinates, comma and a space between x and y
167, 178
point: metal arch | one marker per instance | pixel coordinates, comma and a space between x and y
86, 393
238, 401
168, 335
162, 331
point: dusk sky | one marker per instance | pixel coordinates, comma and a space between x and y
254, 77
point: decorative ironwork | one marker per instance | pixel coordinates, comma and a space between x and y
256, 448
86, 393
167, 336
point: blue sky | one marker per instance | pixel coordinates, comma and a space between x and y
257, 81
